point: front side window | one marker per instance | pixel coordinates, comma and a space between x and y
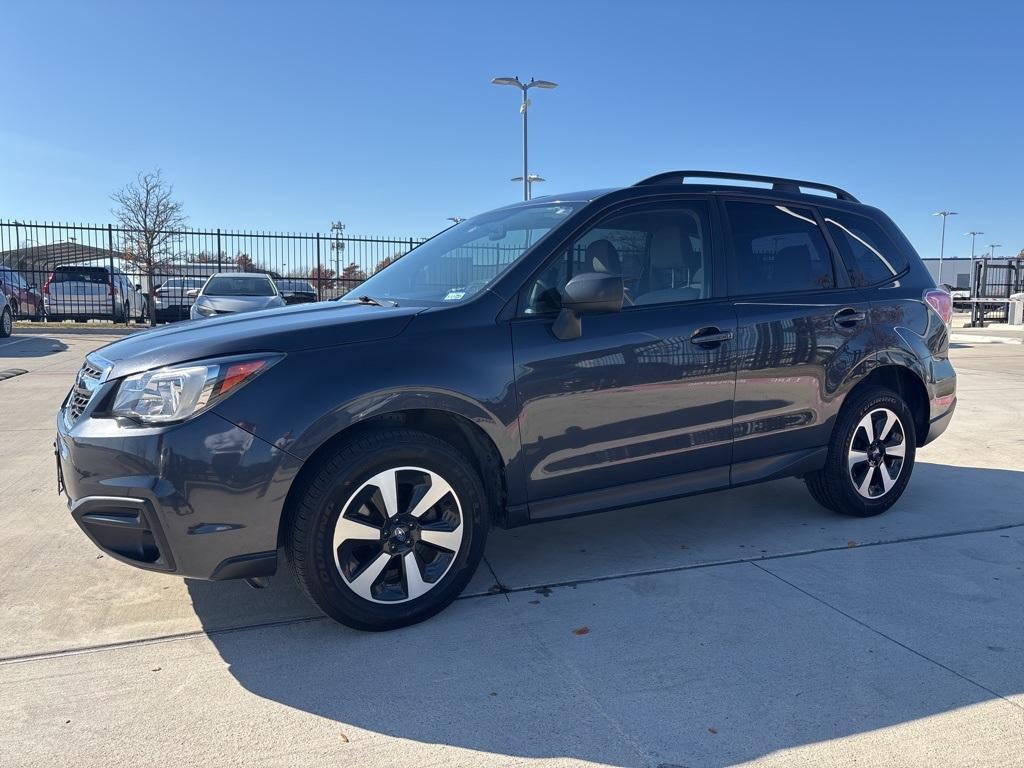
869, 254
239, 285
777, 249
463, 260
661, 251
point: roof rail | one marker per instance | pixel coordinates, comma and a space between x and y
778, 183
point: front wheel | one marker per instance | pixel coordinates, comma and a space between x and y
870, 456
6, 323
389, 529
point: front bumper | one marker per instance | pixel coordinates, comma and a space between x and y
201, 499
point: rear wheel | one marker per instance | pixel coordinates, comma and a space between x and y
6, 323
870, 456
389, 530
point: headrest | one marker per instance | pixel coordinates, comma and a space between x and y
671, 249
602, 257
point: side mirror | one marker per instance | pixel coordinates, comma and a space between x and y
194, 293
138, 286
590, 293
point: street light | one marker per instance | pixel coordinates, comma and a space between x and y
993, 247
523, 109
529, 183
942, 245
456, 219
974, 234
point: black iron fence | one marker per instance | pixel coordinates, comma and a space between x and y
994, 281
75, 271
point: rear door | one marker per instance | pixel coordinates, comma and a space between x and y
803, 329
639, 407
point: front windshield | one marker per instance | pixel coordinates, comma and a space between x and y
239, 285
466, 258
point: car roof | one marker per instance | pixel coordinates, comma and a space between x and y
242, 274
735, 184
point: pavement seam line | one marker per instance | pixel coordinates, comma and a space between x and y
888, 637
506, 591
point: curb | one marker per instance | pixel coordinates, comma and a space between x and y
967, 338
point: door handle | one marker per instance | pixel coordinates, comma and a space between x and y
848, 317
710, 337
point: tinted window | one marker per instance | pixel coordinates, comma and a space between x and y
80, 275
298, 286
239, 285
777, 249
661, 251
13, 278
869, 254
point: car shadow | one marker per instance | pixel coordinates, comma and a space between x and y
676, 657
30, 345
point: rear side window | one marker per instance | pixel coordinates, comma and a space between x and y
777, 249
870, 255
80, 275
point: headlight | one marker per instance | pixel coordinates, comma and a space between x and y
176, 392
205, 309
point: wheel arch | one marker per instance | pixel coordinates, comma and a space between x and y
458, 430
909, 385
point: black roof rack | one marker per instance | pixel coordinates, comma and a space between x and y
779, 184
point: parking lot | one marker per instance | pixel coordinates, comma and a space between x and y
748, 625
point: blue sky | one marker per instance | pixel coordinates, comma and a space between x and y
287, 116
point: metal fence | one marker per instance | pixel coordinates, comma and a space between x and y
115, 279
994, 281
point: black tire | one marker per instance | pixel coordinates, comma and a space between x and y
15, 310
835, 487
6, 323
336, 484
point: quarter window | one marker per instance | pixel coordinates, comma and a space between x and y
869, 254
777, 249
661, 252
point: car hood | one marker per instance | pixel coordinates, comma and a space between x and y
239, 303
283, 329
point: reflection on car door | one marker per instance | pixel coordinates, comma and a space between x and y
636, 408
799, 336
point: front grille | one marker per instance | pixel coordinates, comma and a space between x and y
92, 374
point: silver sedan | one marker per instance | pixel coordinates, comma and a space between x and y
226, 293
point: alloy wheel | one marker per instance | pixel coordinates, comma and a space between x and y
876, 453
6, 323
398, 535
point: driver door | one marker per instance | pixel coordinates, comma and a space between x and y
638, 407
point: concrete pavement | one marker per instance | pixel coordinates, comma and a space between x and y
749, 625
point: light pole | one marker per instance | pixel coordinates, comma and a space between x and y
992, 249
529, 183
523, 109
942, 245
337, 245
974, 235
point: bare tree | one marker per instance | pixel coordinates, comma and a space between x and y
150, 217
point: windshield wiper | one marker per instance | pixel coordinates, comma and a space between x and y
372, 301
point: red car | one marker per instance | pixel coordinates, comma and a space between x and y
26, 301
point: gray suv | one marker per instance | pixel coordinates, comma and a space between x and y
560, 356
